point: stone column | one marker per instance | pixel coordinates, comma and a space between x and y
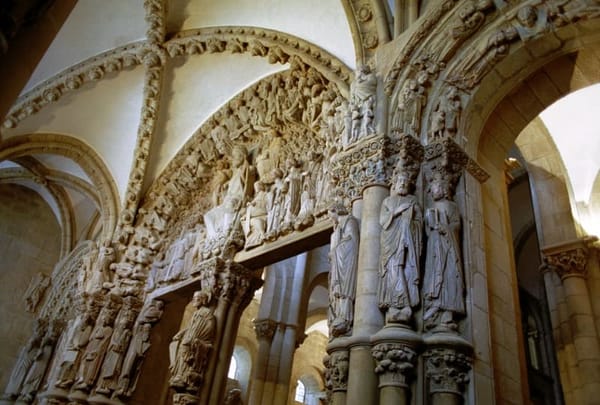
569, 261
362, 380
265, 329
238, 285
290, 331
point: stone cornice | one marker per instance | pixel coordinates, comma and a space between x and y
277, 46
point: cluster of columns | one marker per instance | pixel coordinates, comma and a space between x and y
229, 287
570, 276
278, 330
383, 358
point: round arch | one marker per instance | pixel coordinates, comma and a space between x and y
80, 153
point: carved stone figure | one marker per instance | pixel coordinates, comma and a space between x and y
443, 287
138, 346
401, 241
293, 191
218, 220
255, 224
115, 354
190, 348
36, 373
444, 121
95, 350
100, 276
175, 267
362, 103
25, 360
35, 291
343, 257
78, 336
275, 198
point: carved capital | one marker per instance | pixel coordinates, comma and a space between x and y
395, 363
265, 328
446, 161
568, 263
372, 161
185, 399
447, 370
338, 370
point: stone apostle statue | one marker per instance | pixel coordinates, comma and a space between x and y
190, 349
443, 287
25, 360
401, 242
343, 256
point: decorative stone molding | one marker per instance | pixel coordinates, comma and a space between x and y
265, 329
71, 79
434, 16
371, 162
156, 20
447, 370
568, 260
277, 47
446, 153
394, 363
366, 23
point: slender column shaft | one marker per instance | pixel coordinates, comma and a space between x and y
260, 371
362, 380
220, 314
225, 353
585, 338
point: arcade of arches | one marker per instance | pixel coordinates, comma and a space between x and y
317, 201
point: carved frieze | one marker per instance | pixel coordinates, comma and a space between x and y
394, 363
447, 370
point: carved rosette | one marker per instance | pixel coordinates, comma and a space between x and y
568, 263
372, 161
338, 370
265, 329
447, 370
395, 363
